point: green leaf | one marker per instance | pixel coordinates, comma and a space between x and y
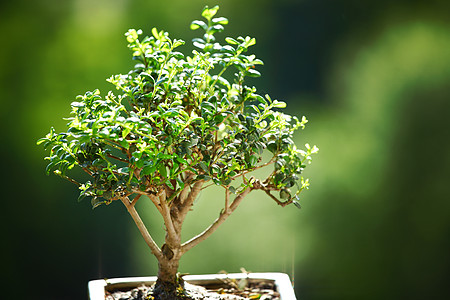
253, 73
208, 13
226, 181
249, 41
41, 140
220, 20
177, 55
207, 109
85, 188
279, 104
203, 177
132, 35
219, 118
163, 79
228, 49
148, 170
164, 156
203, 166
198, 40
177, 43
231, 41
196, 24
169, 184
285, 194
223, 82
81, 197
252, 160
261, 99
96, 202
272, 146
155, 33
199, 45
250, 122
216, 28
297, 204
77, 104
125, 132
49, 167
181, 160
162, 170
232, 189
288, 182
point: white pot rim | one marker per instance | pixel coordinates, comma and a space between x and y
281, 280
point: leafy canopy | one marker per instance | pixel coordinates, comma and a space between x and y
175, 115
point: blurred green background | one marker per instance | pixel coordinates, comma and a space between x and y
373, 78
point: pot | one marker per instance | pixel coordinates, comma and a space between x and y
98, 288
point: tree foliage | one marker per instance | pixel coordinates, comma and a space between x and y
176, 114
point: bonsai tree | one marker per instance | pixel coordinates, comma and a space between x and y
176, 125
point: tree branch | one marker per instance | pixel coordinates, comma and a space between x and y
117, 158
173, 237
189, 201
151, 196
142, 229
135, 200
282, 204
213, 227
243, 172
227, 198
67, 178
184, 194
261, 186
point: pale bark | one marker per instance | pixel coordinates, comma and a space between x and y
173, 238
142, 229
189, 201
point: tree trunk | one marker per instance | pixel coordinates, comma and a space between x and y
168, 285
168, 268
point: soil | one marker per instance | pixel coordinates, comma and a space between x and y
228, 290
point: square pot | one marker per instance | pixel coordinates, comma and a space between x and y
282, 282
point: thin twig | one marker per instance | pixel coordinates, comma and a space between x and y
68, 178
114, 144
155, 202
117, 158
135, 200
207, 186
253, 169
282, 204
